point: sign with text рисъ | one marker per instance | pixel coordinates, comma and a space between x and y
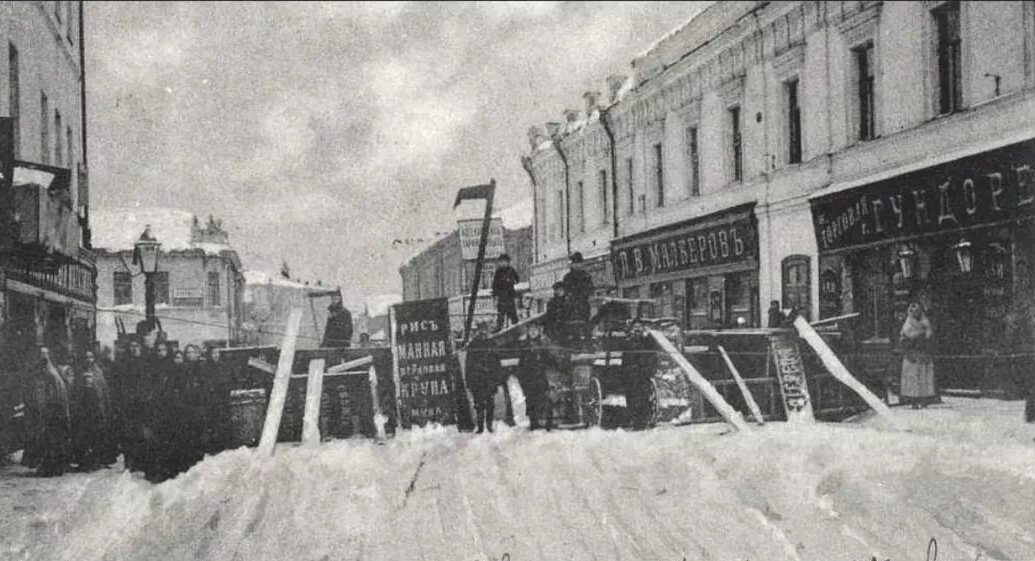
470, 232
424, 356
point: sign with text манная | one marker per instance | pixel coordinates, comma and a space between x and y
425, 359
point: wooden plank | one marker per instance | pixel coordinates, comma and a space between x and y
278, 396
258, 363
313, 393
516, 326
379, 418
351, 365
710, 393
750, 399
839, 371
393, 326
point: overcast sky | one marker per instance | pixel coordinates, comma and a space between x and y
321, 132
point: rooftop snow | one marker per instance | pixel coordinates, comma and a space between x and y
378, 305
262, 278
118, 229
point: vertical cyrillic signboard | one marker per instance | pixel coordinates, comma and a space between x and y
791, 372
420, 342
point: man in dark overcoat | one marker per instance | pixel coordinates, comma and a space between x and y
503, 282
338, 332
484, 376
535, 360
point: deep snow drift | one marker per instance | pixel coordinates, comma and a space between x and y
963, 473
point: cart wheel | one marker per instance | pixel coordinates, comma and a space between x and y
653, 409
593, 405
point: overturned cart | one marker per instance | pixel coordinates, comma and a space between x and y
638, 373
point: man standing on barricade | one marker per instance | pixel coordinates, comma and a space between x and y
558, 314
535, 359
503, 282
579, 287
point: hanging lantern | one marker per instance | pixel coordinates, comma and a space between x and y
964, 256
907, 261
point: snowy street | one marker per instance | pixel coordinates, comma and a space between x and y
963, 473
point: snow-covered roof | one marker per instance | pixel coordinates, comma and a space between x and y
518, 215
118, 229
378, 305
263, 278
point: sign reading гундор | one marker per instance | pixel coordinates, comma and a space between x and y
988, 188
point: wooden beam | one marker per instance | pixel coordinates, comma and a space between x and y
839, 371
259, 364
710, 393
379, 418
750, 399
313, 393
351, 365
278, 396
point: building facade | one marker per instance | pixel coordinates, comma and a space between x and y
47, 271
199, 284
268, 301
838, 157
440, 271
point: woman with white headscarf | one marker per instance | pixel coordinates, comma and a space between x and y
917, 365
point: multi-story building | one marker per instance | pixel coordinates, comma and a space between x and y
199, 285
46, 269
440, 271
839, 157
268, 301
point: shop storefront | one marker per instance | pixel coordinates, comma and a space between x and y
703, 272
956, 238
48, 300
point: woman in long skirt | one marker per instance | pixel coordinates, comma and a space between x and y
917, 365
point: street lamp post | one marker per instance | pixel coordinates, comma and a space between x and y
146, 256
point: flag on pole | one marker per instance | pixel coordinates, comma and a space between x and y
475, 192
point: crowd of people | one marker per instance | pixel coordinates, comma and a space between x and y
159, 406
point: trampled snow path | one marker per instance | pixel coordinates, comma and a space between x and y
964, 474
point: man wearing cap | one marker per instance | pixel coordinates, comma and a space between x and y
503, 290
579, 287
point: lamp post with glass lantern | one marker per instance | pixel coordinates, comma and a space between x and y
145, 255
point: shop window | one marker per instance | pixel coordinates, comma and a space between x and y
661, 294
697, 303
214, 293
739, 298
122, 283
632, 292
797, 284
